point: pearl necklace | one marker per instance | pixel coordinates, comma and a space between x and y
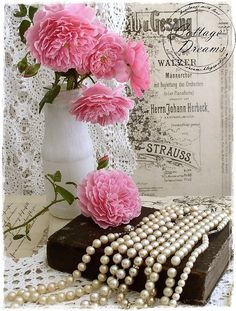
170, 232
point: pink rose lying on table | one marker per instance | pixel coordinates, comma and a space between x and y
63, 35
103, 105
110, 197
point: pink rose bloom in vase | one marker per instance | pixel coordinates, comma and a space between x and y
62, 35
110, 197
103, 105
107, 56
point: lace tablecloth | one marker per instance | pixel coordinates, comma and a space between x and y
33, 270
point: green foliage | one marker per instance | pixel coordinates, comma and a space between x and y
55, 177
32, 11
24, 25
22, 11
67, 195
49, 96
31, 70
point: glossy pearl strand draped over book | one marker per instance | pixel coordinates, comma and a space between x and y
172, 233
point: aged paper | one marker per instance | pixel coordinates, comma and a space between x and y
17, 210
181, 129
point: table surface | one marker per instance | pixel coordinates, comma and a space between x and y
20, 208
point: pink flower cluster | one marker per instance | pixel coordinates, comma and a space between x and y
110, 197
66, 36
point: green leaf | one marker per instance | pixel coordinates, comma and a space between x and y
32, 11
56, 177
22, 11
22, 65
49, 96
31, 71
71, 183
18, 236
103, 162
24, 25
68, 196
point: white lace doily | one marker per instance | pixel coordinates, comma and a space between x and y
24, 127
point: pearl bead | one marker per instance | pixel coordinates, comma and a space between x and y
176, 296
178, 289
104, 239
113, 269
94, 297
26, 295
117, 258
187, 270
97, 243
90, 250
51, 299
143, 253
79, 292
149, 261
139, 302
122, 248
144, 294
157, 267
164, 301
11, 296
70, 295
128, 280
172, 303
114, 245
102, 301
170, 282
34, 297
161, 258
149, 285
113, 284
111, 237
175, 260
154, 277
120, 297
19, 300
102, 277
103, 269
168, 291
104, 291
86, 258
69, 280
81, 267
120, 274
133, 272
88, 288
124, 303
61, 284
138, 261
181, 283
148, 270
105, 259
42, 300
184, 276
126, 263
131, 252
76, 274
41, 289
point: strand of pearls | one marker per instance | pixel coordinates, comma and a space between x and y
173, 231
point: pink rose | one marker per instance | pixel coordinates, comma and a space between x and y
102, 104
136, 69
106, 56
63, 35
110, 197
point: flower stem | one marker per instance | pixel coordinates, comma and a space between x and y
45, 209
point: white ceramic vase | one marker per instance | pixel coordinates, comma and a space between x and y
67, 147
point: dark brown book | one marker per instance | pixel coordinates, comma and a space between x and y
66, 247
